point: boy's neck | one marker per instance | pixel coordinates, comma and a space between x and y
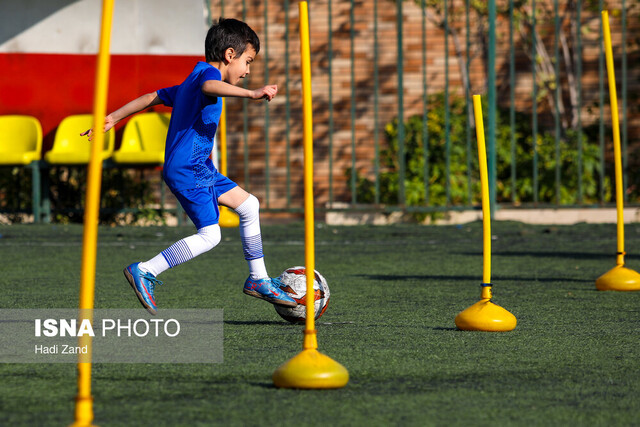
221, 66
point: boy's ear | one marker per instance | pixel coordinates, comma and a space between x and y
229, 54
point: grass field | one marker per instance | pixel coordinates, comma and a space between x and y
572, 360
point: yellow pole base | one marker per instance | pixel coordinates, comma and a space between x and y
486, 316
311, 369
228, 218
619, 278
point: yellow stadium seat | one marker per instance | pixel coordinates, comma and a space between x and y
143, 139
69, 148
21, 145
20, 140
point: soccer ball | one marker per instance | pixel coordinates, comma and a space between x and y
294, 283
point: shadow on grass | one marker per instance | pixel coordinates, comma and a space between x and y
554, 255
263, 385
476, 278
255, 322
283, 323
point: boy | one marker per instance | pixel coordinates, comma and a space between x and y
230, 48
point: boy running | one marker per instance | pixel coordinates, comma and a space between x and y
230, 48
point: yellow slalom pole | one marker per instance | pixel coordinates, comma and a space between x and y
619, 278
227, 217
309, 369
310, 341
486, 214
84, 400
615, 122
484, 315
223, 138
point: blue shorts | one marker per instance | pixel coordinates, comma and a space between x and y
201, 204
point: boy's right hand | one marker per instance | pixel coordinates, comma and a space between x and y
268, 92
108, 124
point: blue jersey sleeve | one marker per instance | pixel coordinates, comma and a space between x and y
168, 95
210, 73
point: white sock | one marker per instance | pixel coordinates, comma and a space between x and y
155, 265
249, 213
257, 269
188, 248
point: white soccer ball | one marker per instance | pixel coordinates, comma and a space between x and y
294, 283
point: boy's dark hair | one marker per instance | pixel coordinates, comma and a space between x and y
229, 33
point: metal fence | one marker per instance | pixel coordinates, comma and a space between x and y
392, 86
384, 71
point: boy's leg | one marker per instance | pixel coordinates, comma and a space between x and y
183, 250
142, 275
247, 207
202, 208
258, 284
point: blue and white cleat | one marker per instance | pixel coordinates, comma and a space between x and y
143, 285
268, 290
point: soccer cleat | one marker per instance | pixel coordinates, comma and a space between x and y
143, 285
268, 290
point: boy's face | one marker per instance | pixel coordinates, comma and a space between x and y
238, 67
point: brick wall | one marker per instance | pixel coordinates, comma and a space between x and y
333, 150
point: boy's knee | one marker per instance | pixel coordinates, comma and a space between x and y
254, 203
211, 235
249, 209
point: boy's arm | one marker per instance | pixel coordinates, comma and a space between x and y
135, 106
219, 88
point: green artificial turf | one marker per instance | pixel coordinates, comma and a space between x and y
395, 291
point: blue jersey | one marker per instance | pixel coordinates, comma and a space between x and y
193, 125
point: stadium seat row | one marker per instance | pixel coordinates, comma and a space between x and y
142, 144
